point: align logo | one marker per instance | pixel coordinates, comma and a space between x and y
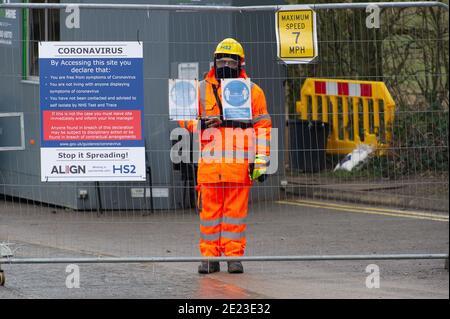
68, 169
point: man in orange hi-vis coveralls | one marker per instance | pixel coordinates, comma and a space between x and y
240, 155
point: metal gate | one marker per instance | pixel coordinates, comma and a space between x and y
403, 44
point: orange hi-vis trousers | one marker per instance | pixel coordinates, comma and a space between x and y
223, 218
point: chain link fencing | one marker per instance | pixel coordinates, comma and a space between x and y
157, 219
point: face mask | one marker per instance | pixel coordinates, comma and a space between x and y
226, 73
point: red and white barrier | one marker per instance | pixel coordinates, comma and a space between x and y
343, 88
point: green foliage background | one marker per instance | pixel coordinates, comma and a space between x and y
410, 53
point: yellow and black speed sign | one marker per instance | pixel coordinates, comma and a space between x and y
296, 34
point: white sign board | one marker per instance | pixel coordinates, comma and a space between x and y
188, 71
9, 26
236, 99
92, 111
145, 192
183, 99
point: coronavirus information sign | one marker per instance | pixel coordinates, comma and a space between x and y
91, 103
236, 99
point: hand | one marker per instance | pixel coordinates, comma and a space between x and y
213, 122
258, 169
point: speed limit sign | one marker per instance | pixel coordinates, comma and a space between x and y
296, 34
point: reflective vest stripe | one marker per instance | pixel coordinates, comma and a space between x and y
228, 154
203, 96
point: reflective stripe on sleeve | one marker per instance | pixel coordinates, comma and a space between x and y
260, 118
262, 141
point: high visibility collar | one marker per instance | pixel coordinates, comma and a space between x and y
211, 76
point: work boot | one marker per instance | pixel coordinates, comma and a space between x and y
235, 267
208, 267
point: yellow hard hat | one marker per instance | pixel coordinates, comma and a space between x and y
230, 46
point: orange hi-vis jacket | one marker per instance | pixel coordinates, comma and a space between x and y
226, 151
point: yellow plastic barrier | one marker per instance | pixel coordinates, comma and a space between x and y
361, 112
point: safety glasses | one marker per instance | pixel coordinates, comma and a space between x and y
220, 63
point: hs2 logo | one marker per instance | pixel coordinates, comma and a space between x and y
124, 169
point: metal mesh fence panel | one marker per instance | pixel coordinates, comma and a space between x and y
289, 214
